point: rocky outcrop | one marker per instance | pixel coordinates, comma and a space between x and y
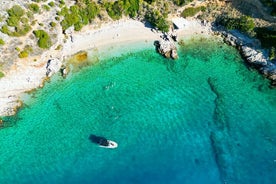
64, 71
52, 67
269, 71
166, 48
252, 56
10, 104
251, 51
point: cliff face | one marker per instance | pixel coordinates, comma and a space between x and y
253, 8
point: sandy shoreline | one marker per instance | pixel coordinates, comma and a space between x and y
27, 75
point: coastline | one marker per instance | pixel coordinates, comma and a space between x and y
26, 75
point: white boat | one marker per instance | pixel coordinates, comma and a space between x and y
103, 142
110, 144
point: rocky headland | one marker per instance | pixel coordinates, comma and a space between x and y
252, 52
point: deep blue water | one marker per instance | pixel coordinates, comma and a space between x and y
205, 118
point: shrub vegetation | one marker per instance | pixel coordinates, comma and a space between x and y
46, 7
23, 54
52, 4
53, 24
16, 11
44, 40
157, 20
18, 21
2, 42
13, 21
30, 15
189, 12
34, 7
243, 23
61, 2
116, 9
1, 74
181, 2
79, 15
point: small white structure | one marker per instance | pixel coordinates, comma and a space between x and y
179, 22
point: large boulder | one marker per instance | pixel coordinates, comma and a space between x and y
53, 66
166, 48
64, 71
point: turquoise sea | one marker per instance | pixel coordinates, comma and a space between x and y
205, 118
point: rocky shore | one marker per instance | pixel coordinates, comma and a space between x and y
26, 75
252, 52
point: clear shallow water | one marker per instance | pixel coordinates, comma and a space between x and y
202, 119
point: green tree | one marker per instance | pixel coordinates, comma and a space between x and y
52, 4
243, 23
16, 11
44, 40
115, 9
5, 30
69, 20
131, 7
92, 11
246, 24
13, 21
157, 20
34, 7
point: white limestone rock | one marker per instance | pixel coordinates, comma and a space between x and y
53, 66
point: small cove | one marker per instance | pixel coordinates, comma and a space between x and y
204, 118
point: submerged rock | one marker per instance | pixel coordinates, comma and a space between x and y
81, 56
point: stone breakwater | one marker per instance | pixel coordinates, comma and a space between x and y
252, 52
